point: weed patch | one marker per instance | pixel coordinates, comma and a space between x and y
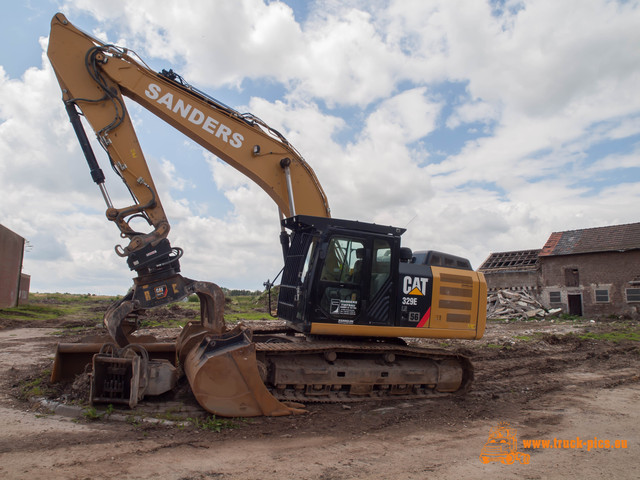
529, 338
616, 336
212, 423
35, 386
246, 307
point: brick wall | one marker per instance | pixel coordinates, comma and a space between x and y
11, 252
608, 271
512, 280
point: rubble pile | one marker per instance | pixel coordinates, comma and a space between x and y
516, 305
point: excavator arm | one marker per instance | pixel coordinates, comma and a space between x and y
95, 76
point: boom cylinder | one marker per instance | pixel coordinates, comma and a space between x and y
284, 163
96, 172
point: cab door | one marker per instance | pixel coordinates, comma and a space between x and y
354, 282
380, 307
340, 286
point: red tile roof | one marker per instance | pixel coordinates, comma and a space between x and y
616, 238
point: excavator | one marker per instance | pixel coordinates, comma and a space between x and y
351, 297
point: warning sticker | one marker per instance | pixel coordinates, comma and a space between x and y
343, 307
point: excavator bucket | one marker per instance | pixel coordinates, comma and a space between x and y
224, 377
72, 359
221, 365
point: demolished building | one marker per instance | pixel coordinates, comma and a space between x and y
592, 271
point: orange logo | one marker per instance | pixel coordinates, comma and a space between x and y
502, 446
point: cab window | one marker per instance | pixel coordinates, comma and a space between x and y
381, 266
343, 262
307, 262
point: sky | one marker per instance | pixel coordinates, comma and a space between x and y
480, 126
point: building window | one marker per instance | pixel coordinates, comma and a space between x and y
571, 277
633, 294
555, 297
602, 295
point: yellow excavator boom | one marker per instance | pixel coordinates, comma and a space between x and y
95, 76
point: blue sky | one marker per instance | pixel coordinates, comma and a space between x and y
20, 27
483, 126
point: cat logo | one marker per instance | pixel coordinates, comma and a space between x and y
414, 285
161, 291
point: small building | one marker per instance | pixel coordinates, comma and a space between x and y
512, 271
593, 271
14, 285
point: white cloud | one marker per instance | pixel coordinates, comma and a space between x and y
404, 118
614, 162
474, 111
356, 177
364, 95
218, 42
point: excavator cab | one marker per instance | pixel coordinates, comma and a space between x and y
352, 278
338, 272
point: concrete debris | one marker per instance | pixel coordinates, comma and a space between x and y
516, 305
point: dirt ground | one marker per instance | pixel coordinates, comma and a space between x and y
546, 379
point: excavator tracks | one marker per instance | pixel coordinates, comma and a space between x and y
246, 372
346, 371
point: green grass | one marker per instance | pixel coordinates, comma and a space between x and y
246, 307
133, 420
529, 338
91, 413
615, 336
51, 306
212, 423
168, 321
89, 309
63, 297
619, 333
562, 318
71, 299
32, 312
35, 387
237, 308
524, 338
622, 331
172, 415
234, 317
32, 388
